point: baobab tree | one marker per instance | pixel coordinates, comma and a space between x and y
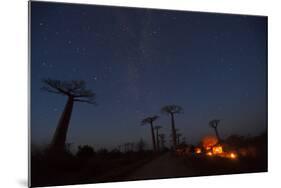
75, 91
171, 110
178, 138
214, 124
178, 135
150, 120
157, 136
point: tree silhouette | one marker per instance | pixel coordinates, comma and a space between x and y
150, 120
178, 138
172, 110
157, 136
214, 124
85, 151
126, 147
75, 91
140, 145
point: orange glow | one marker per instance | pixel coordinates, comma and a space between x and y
211, 147
209, 141
232, 155
217, 149
198, 150
209, 153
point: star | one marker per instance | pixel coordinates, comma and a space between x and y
95, 78
69, 42
153, 33
44, 64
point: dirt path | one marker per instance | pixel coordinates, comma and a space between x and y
165, 166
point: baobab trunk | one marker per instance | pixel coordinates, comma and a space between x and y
59, 138
153, 136
174, 131
217, 134
157, 140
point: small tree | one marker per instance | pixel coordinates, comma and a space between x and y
150, 120
172, 110
75, 91
140, 145
157, 136
214, 124
178, 138
85, 151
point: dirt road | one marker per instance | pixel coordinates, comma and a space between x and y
165, 166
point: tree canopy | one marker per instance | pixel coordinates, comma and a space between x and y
149, 120
172, 109
75, 89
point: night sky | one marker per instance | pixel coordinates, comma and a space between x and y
138, 60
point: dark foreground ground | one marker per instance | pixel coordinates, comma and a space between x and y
68, 170
171, 166
135, 166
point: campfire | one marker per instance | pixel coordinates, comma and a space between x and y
212, 147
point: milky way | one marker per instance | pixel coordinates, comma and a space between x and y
138, 60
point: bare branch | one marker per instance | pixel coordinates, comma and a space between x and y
50, 90
214, 123
172, 109
74, 88
84, 93
149, 120
86, 101
55, 85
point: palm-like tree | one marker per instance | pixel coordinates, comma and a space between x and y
150, 120
172, 110
75, 91
214, 124
157, 136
